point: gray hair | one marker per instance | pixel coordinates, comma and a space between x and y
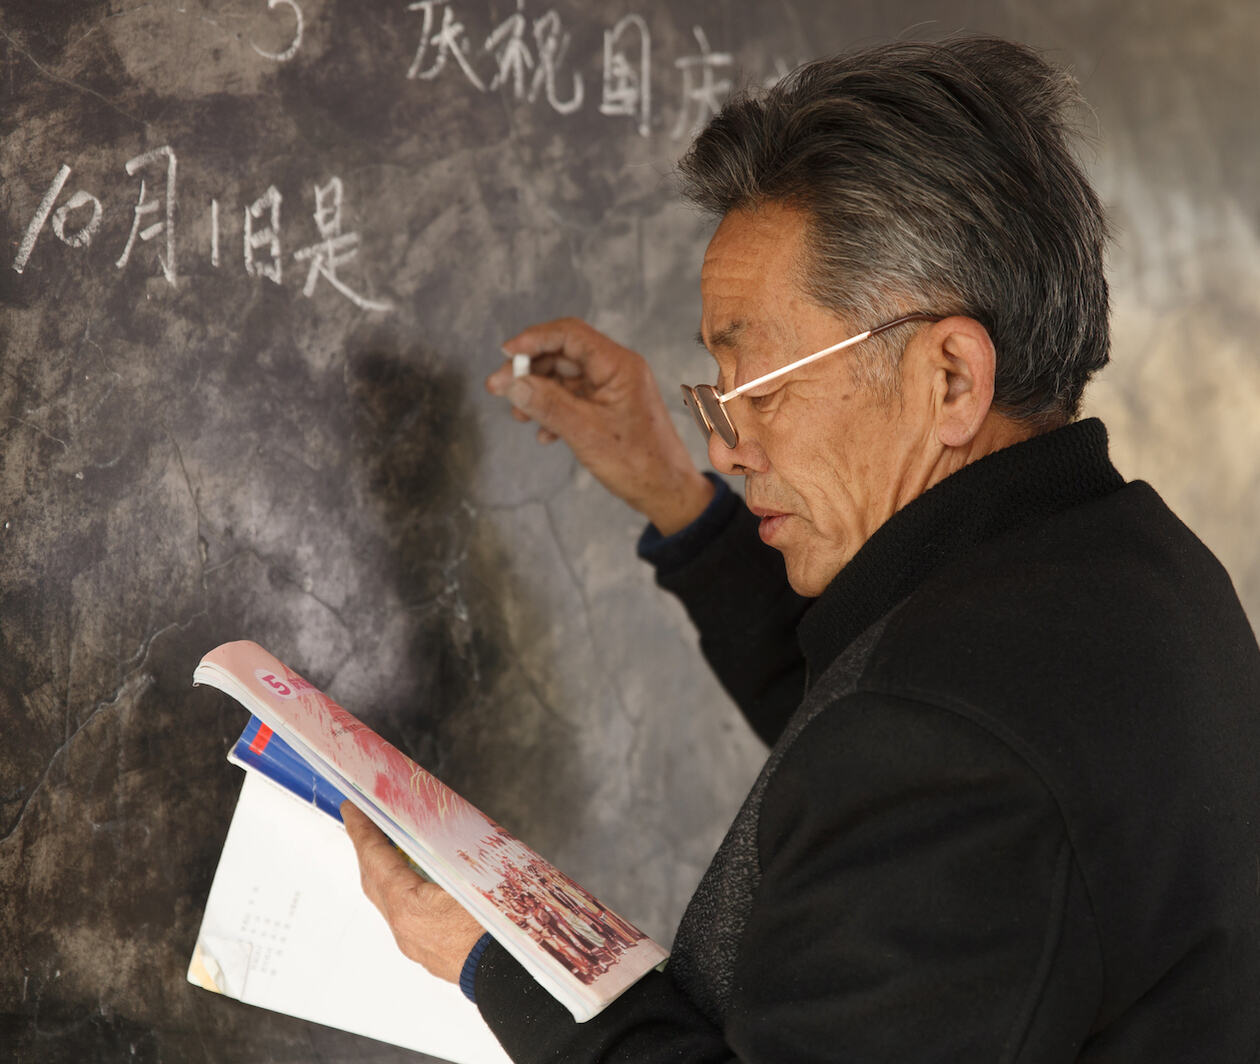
936, 177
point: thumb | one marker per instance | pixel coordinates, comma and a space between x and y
549, 403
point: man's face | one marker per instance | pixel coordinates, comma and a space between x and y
826, 459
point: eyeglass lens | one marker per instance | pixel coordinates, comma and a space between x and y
710, 414
693, 404
715, 414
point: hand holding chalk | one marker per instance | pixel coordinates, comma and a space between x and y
545, 366
602, 400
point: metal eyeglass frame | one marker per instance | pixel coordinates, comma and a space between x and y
709, 408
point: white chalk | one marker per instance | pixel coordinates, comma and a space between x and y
41, 216
520, 365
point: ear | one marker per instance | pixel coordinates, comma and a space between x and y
964, 363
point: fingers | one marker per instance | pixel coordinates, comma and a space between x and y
576, 347
570, 336
553, 401
566, 352
381, 863
555, 366
559, 411
363, 833
556, 348
429, 926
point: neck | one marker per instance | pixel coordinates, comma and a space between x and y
1016, 487
995, 433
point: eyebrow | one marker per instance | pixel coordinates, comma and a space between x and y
727, 336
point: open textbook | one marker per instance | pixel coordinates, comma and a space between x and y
575, 947
288, 928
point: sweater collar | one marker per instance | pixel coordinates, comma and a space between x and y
1004, 491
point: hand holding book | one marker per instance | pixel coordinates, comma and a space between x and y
577, 948
430, 927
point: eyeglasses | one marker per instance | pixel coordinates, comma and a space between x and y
709, 408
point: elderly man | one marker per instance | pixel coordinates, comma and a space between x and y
1011, 810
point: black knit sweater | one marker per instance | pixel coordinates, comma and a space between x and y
1015, 816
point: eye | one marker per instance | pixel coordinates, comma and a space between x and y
763, 401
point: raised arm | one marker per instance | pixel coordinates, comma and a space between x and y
602, 400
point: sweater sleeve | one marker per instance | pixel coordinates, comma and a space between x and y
736, 592
918, 900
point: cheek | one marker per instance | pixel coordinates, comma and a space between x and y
834, 521
823, 480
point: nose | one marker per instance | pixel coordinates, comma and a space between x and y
747, 456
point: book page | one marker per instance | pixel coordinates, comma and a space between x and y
288, 928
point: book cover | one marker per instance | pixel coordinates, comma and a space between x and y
577, 948
261, 750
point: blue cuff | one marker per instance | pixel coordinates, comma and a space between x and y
669, 552
468, 974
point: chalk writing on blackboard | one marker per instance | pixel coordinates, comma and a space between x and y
335, 249
512, 54
525, 56
553, 43
507, 42
508, 60
76, 238
627, 84
145, 207
436, 47
706, 94
295, 44
267, 237
76, 221
82, 236
528, 70
40, 218
214, 233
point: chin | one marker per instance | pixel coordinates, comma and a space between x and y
808, 584
810, 577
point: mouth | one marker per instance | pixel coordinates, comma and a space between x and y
772, 521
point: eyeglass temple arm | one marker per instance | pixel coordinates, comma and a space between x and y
775, 374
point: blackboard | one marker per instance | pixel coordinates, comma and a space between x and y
257, 257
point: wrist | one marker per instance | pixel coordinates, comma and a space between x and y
468, 974
674, 510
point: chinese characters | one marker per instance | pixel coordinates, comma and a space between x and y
529, 58
628, 72
523, 56
703, 90
334, 250
77, 221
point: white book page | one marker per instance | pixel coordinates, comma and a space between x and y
287, 928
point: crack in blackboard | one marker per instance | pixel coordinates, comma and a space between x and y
41, 431
129, 685
192, 495
279, 572
66, 81
587, 622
